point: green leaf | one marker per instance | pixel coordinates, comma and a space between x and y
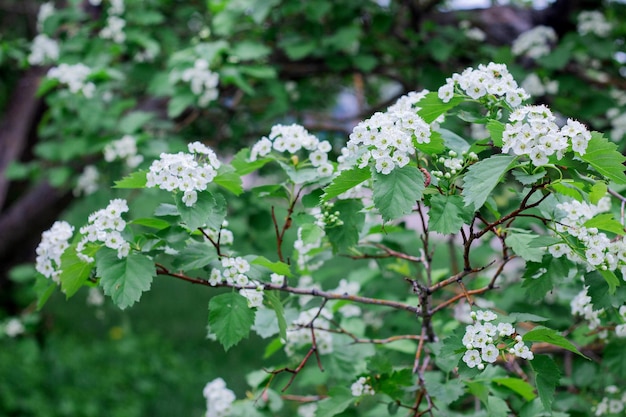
243, 166
551, 336
544, 241
277, 267
598, 190
541, 278
230, 318
196, 255
249, 50
527, 179
75, 270
345, 181
447, 214
44, 288
340, 398
519, 242
209, 210
606, 222
568, 189
434, 147
496, 129
432, 107
454, 141
603, 156
611, 279
135, 180
448, 390
497, 407
547, 376
519, 386
272, 299
228, 178
134, 121
482, 178
614, 356
347, 235
179, 103
151, 223
396, 194
124, 279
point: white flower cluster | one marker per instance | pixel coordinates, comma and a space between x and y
386, 140
124, 148
600, 251
300, 332
592, 21
488, 337
87, 182
54, 242
43, 50
613, 404
362, 387
75, 77
219, 399
202, 81
534, 43
620, 329
185, 172
14, 327
491, 79
308, 241
114, 29
95, 297
532, 132
116, 7
471, 32
234, 272
292, 139
307, 410
104, 226
534, 86
45, 11
618, 123
225, 236
581, 306
454, 164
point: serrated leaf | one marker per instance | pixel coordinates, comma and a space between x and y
497, 407
606, 222
265, 323
272, 298
431, 106
228, 178
209, 210
519, 317
547, 376
434, 147
482, 178
519, 242
540, 278
345, 181
230, 318
242, 164
519, 386
196, 255
448, 391
598, 190
75, 271
397, 193
339, 399
496, 129
544, 241
454, 141
551, 336
277, 267
448, 214
347, 235
151, 223
124, 280
527, 179
611, 279
568, 189
603, 156
135, 180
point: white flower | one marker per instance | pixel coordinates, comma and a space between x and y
87, 182
277, 279
254, 296
361, 387
53, 244
535, 42
593, 21
620, 330
472, 358
219, 399
13, 327
75, 77
43, 50
489, 353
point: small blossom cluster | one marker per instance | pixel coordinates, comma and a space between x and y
600, 251
75, 77
592, 21
233, 272
185, 172
300, 332
361, 387
491, 79
53, 243
538, 88
87, 182
534, 43
306, 243
114, 29
612, 404
581, 305
307, 410
327, 217
202, 81
124, 148
45, 11
43, 50
484, 340
454, 164
219, 399
385, 140
13, 327
620, 329
223, 236
291, 139
105, 226
471, 32
532, 132
618, 123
